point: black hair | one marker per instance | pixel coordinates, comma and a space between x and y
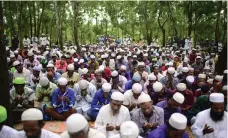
205, 89
41, 123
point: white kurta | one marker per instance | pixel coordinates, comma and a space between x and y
93, 133
105, 116
8, 132
118, 136
203, 118
44, 134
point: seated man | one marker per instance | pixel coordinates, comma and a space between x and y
118, 81
21, 96
112, 115
131, 97
135, 79
62, 100
160, 93
175, 128
172, 105
71, 76
101, 98
56, 75
98, 81
148, 117
124, 72
35, 77
84, 92
21, 71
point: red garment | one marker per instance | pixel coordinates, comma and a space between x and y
192, 58
107, 74
197, 93
59, 66
218, 87
163, 68
189, 99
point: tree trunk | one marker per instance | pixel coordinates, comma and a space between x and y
172, 20
19, 24
161, 26
217, 35
12, 30
4, 78
76, 23
30, 19
34, 18
190, 11
40, 18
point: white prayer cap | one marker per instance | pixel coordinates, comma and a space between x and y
81, 61
141, 64
97, 71
218, 78
129, 129
75, 60
32, 114
157, 86
191, 69
178, 97
103, 56
185, 69
137, 88
83, 84
92, 57
15, 63
224, 88
50, 66
30, 53
134, 56
181, 87
75, 123
145, 55
101, 67
114, 73
72, 51
44, 81
210, 81
190, 79
12, 56
178, 121
151, 77
123, 67
62, 81
119, 57
198, 57
185, 60
106, 87
143, 98
70, 67
7, 48
202, 76
118, 96
37, 68
16, 52
225, 71
216, 98
83, 49
113, 54
171, 70
84, 71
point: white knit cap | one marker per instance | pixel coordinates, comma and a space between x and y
114, 73
101, 67
123, 67
225, 71
191, 69
92, 57
83, 84
81, 61
202, 76
129, 129
157, 86
178, 121
75, 123
145, 55
119, 57
134, 56
181, 87
178, 97
198, 57
143, 98
141, 64
70, 67
103, 56
106, 87
12, 55
75, 60
16, 52
118, 96
216, 98
44, 81
210, 81
15, 63
84, 71
50, 66
185, 69
218, 78
171, 70
62, 81
32, 114
152, 77
190, 79
30, 53
137, 88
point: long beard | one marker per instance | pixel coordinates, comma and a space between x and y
215, 116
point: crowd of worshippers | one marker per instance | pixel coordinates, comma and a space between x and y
126, 90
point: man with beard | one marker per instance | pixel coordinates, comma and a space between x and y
141, 71
21, 71
78, 127
98, 81
148, 86
156, 72
32, 120
212, 123
183, 75
112, 115
148, 117
135, 79
124, 72
30, 62
71, 76
118, 81
175, 128
170, 81
172, 105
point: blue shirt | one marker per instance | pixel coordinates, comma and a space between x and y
128, 85
63, 106
160, 132
56, 76
99, 99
